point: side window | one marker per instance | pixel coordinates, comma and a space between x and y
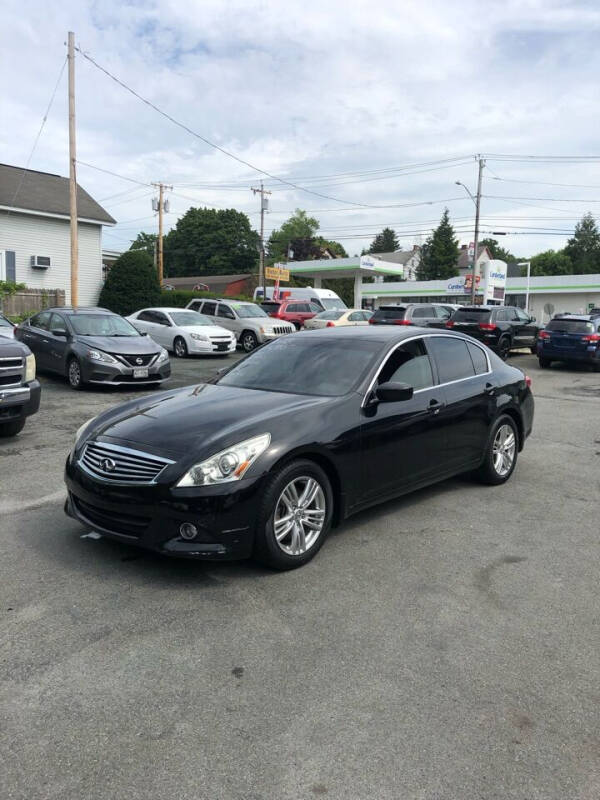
160, 318
145, 316
293, 308
356, 316
209, 308
224, 311
501, 316
419, 312
478, 358
41, 320
522, 316
314, 308
57, 324
452, 358
511, 314
442, 313
409, 364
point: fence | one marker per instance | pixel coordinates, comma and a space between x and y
28, 301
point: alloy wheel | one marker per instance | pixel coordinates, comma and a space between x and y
75, 374
300, 515
504, 349
504, 448
249, 342
180, 348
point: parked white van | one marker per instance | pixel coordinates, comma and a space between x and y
324, 298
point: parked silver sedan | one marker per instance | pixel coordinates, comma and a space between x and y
184, 332
337, 317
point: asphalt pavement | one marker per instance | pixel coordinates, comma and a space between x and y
444, 646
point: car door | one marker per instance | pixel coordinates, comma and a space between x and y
442, 315
35, 336
148, 324
464, 371
423, 315
528, 329
356, 318
209, 309
142, 321
58, 344
403, 443
227, 319
163, 330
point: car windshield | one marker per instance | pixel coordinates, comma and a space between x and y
570, 326
329, 315
246, 310
186, 318
102, 325
304, 365
471, 315
328, 302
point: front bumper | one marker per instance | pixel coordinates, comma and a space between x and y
267, 337
20, 401
120, 374
150, 516
196, 347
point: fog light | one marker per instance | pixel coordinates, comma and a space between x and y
188, 531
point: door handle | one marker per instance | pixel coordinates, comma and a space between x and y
45, 341
489, 388
435, 407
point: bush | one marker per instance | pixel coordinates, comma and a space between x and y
179, 298
131, 284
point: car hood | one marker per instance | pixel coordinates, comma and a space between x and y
8, 333
206, 330
198, 421
127, 345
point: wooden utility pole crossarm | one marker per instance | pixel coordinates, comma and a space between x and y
73, 174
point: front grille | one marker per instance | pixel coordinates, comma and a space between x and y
127, 524
220, 339
280, 329
11, 363
10, 380
120, 464
134, 361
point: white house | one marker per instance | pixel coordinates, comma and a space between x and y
35, 243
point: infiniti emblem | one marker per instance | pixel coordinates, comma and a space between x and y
108, 465
139, 361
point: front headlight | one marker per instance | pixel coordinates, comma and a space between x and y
162, 356
228, 465
99, 355
200, 337
29, 368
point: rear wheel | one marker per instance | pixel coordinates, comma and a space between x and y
501, 452
504, 348
534, 346
544, 362
12, 428
248, 341
180, 347
74, 374
294, 517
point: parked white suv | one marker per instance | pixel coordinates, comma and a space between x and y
250, 324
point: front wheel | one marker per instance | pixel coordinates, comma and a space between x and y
501, 452
12, 428
74, 374
180, 347
297, 325
294, 517
248, 341
544, 362
504, 348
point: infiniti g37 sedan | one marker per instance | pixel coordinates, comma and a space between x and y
291, 440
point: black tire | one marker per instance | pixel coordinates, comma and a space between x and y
248, 341
504, 348
534, 348
267, 550
489, 471
544, 362
297, 325
12, 428
74, 374
180, 349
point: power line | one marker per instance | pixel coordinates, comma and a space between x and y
114, 174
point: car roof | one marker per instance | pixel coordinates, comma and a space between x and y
80, 310
168, 309
582, 317
381, 333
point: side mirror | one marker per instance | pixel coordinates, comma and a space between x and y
391, 392
61, 333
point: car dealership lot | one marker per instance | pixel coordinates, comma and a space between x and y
443, 645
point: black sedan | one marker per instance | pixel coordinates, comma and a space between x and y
291, 440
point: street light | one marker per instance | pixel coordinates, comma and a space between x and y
467, 190
477, 201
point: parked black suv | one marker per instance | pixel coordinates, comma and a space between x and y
93, 345
502, 328
19, 390
425, 315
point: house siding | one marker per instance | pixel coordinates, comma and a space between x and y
29, 235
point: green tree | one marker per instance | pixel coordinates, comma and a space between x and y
439, 254
297, 234
145, 241
131, 284
584, 247
384, 242
335, 248
496, 250
207, 241
551, 262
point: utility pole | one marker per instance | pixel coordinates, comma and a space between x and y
160, 207
264, 206
477, 208
73, 174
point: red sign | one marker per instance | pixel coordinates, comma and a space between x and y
469, 281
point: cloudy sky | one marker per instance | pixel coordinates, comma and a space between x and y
380, 106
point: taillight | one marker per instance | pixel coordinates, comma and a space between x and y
371, 321
450, 324
402, 322
544, 335
487, 326
528, 381
593, 337
330, 324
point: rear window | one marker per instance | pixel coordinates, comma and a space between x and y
330, 314
390, 313
471, 315
570, 326
268, 307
